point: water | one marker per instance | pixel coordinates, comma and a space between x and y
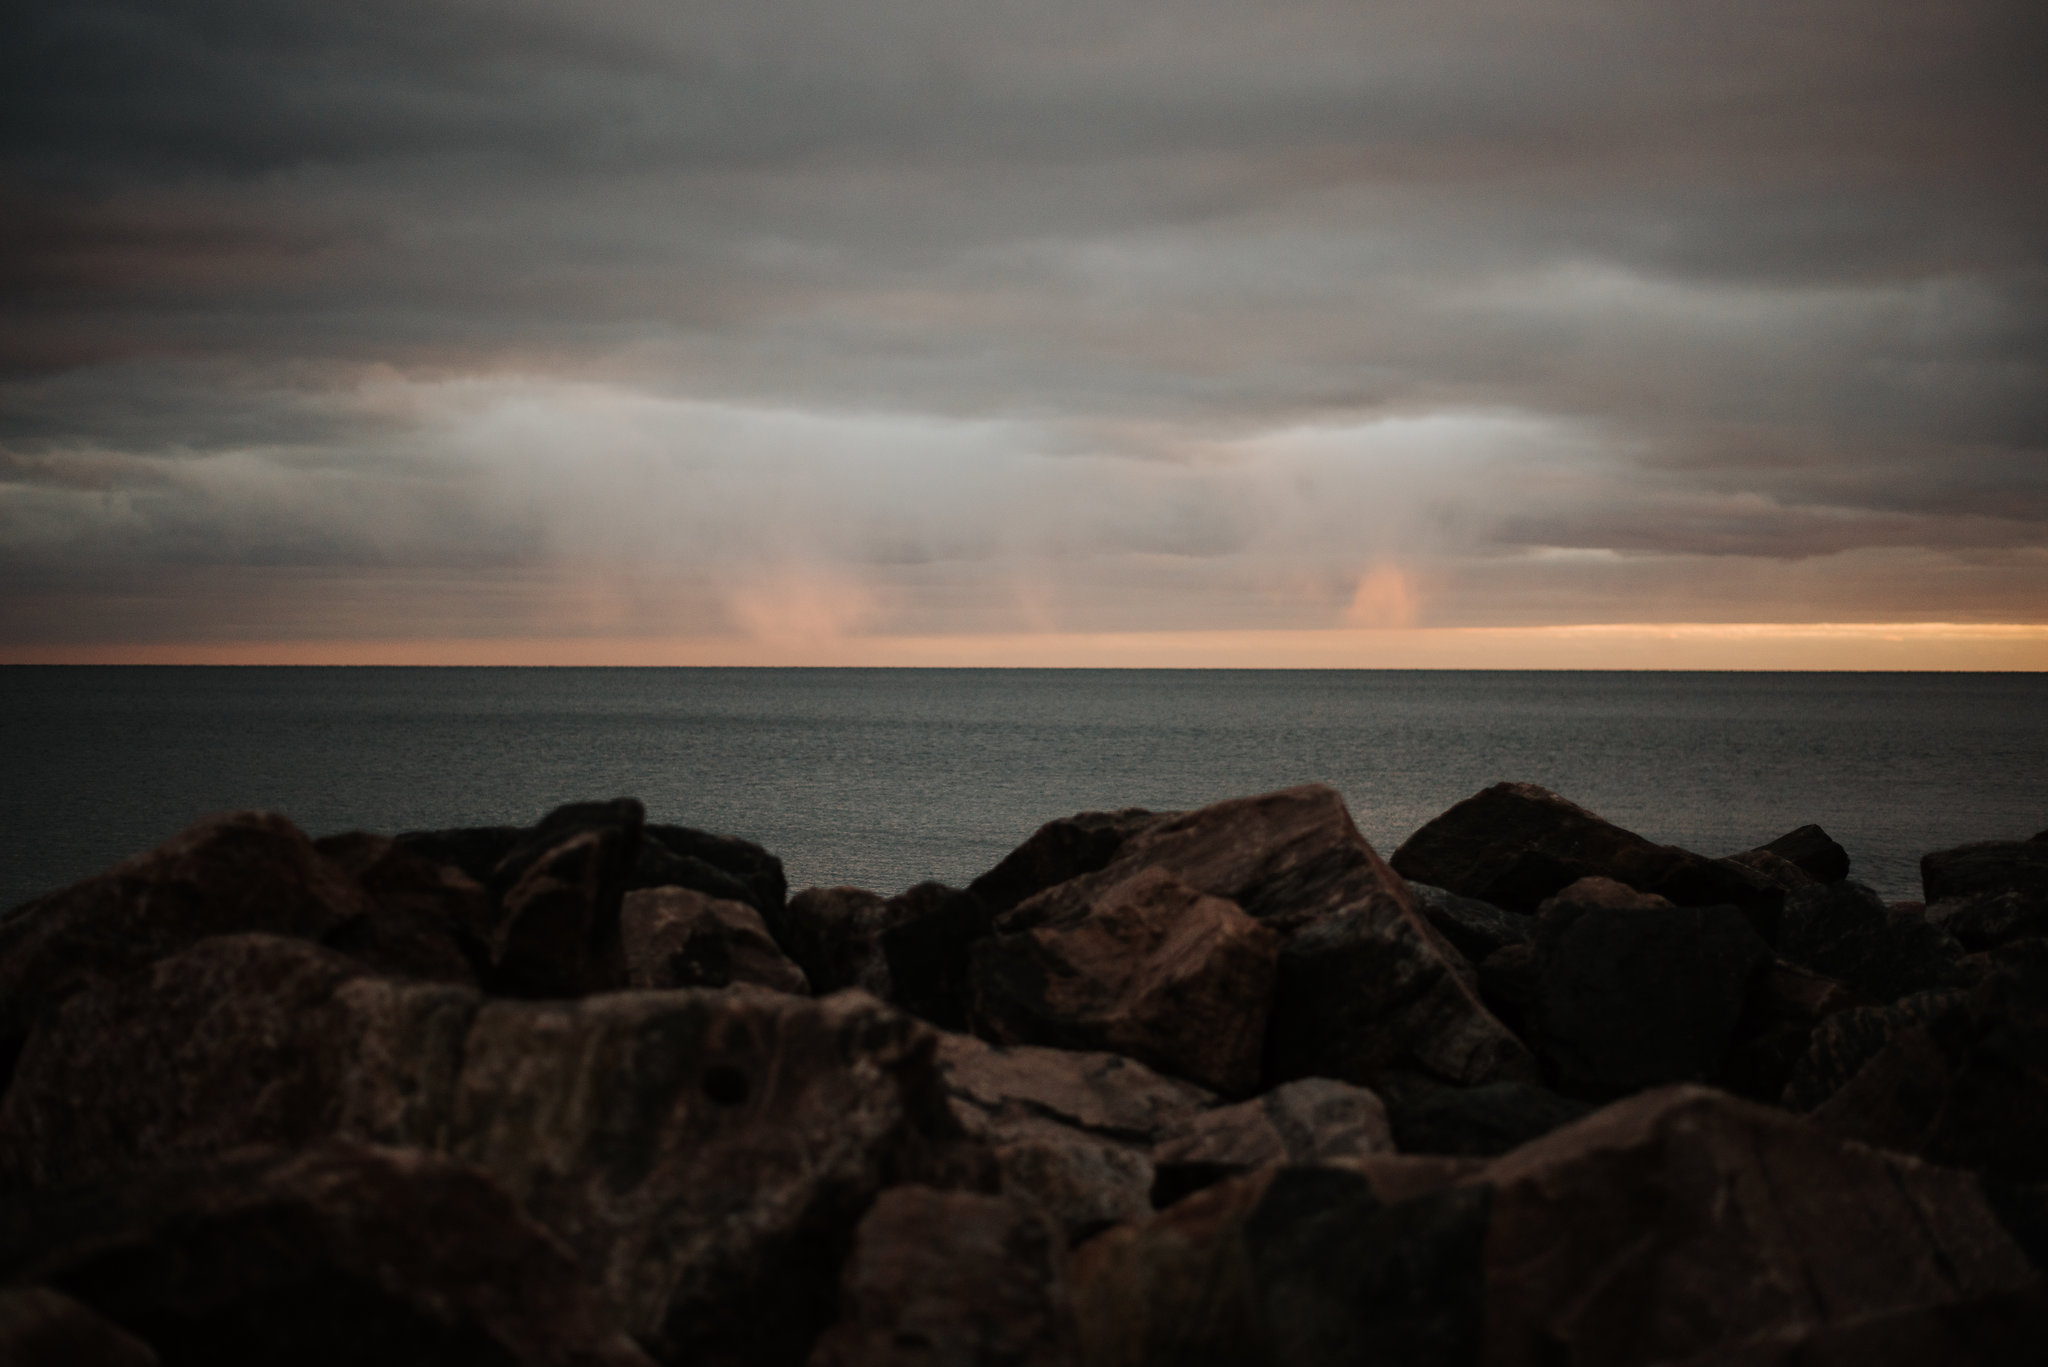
881, 778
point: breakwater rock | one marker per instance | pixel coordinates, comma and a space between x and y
1195, 1087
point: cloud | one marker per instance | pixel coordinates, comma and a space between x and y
1113, 316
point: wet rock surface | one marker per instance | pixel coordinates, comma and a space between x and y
597, 1090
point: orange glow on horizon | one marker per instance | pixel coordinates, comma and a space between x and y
1631, 645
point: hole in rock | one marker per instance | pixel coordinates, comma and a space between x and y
726, 1086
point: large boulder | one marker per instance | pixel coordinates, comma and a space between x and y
1991, 920
1516, 844
1812, 851
1988, 866
720, 866
1998, 1329
1634, 996
1784, 1006
1844, 931
1682, 1221
1072, 1133
1313, 1121
248, 1039
339, 1255
245, 871
1959, 1078
1061, 849
430, 918
952, 1277
1476, 1122
1145, 966
1297, 1265
1362, 997
705, 1154
677, 937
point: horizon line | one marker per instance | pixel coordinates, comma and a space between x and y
1819, 647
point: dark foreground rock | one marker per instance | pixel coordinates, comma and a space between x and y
704, 1155
1632, 996
44, 1328
338, 1255
952, 1277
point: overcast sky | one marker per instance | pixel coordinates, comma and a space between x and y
790, 321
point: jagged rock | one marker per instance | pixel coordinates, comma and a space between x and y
1814, 851
927, 933
1774, 869
226, 874
835, 936
1844, 931
705, 1154
1476, 929
430, 917
720, 866
1634, 996
1147, 967
1059, 850
1988, 866
1298, 1265
1989, 920
248, 1039
1683, 1221
339, 1255
1071, 1132
952, 1277
1313, 1121
677, 937
1999, 1329
1960, 1079
1784, 1005
1476, 1122
557, 927
1515, 844
1358, 1000
43, 1328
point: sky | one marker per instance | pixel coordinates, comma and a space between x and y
1476, 333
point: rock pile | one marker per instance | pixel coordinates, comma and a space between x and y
1201, 1087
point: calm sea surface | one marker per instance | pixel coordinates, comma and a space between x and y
884, 777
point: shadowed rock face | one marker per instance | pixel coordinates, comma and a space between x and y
952, 1276
703, 1154
1516, 844
246, 871
1988, 866
1146, 967
1844, 931
341, 1254
1814, 852
1291, 1265
44, 1328
674, 937
1682, 1220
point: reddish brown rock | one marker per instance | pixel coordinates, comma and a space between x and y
835, 936
1060, 850
44, 1328
1298, 1265
431, 917
342, 1254
249, 1039
674, 937
1990, 920
1844, 931
931, 933
557, 927
1516, 844
707, 1154
245, 871
1147, 967
940, 1277
1313, 1121
1683, 1221
1071, 1132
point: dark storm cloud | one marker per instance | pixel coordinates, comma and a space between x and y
1119, 311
